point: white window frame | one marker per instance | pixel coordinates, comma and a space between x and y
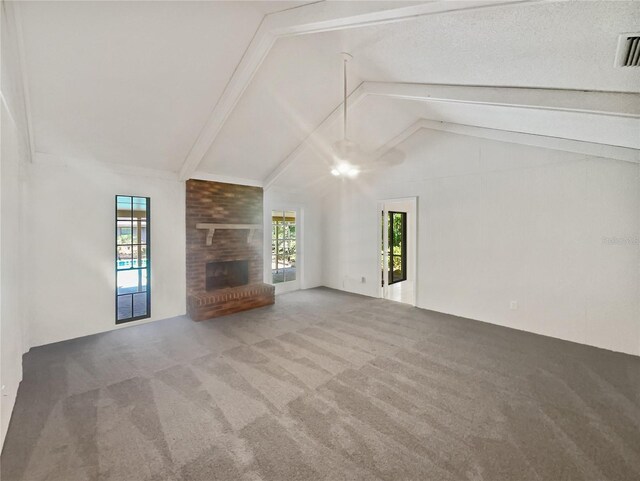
288, 286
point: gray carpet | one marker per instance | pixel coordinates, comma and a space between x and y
325, 386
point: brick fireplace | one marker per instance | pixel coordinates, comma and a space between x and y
224, 249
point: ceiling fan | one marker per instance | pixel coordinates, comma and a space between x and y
349, 158
346, 152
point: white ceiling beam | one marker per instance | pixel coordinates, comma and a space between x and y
226, 179
619, 104
605, 106
318, 17
328, 16
542, 141
533, 140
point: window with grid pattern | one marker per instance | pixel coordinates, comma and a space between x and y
133, 258
283, 246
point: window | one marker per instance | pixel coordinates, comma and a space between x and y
397, 247
133, 258
283, 246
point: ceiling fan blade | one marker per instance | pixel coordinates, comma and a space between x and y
391, 157
348, 151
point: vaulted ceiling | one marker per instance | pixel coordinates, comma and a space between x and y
247, 90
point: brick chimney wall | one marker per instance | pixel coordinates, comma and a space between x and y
220, 203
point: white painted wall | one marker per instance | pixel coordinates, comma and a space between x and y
71, 278
309, 234
14, 155
500, 222
12, 335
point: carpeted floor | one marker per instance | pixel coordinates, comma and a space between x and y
325, 386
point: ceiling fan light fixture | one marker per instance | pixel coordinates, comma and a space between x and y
353, 172
345, 151
343, 168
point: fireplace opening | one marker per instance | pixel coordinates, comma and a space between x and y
227, 274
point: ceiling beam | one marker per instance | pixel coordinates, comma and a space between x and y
226, 179
544, 141
619, 104
314, 18
618, 109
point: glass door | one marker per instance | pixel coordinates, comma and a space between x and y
284, 252
397, 250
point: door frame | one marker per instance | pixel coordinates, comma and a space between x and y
405, 253
289, 286
384, 207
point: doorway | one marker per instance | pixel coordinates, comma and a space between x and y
398, 249
285, 238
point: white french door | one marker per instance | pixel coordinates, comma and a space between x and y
284, 250
398, 249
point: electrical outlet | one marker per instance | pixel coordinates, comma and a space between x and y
513, 305
363, 280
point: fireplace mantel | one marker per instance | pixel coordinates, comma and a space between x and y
232, 209
212, 228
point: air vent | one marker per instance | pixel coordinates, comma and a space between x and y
628, 54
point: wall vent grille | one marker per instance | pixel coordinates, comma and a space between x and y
629, 51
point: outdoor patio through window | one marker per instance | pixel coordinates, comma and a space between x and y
283, 246
132, 258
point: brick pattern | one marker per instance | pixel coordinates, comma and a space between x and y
227, 301
219, 203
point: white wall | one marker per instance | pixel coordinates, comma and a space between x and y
71, 278
500, 222
14, 155
310, 233
12, 336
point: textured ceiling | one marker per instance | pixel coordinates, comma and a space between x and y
552, 45
134, 83
569, 45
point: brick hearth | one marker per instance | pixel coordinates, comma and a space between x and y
219, 203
